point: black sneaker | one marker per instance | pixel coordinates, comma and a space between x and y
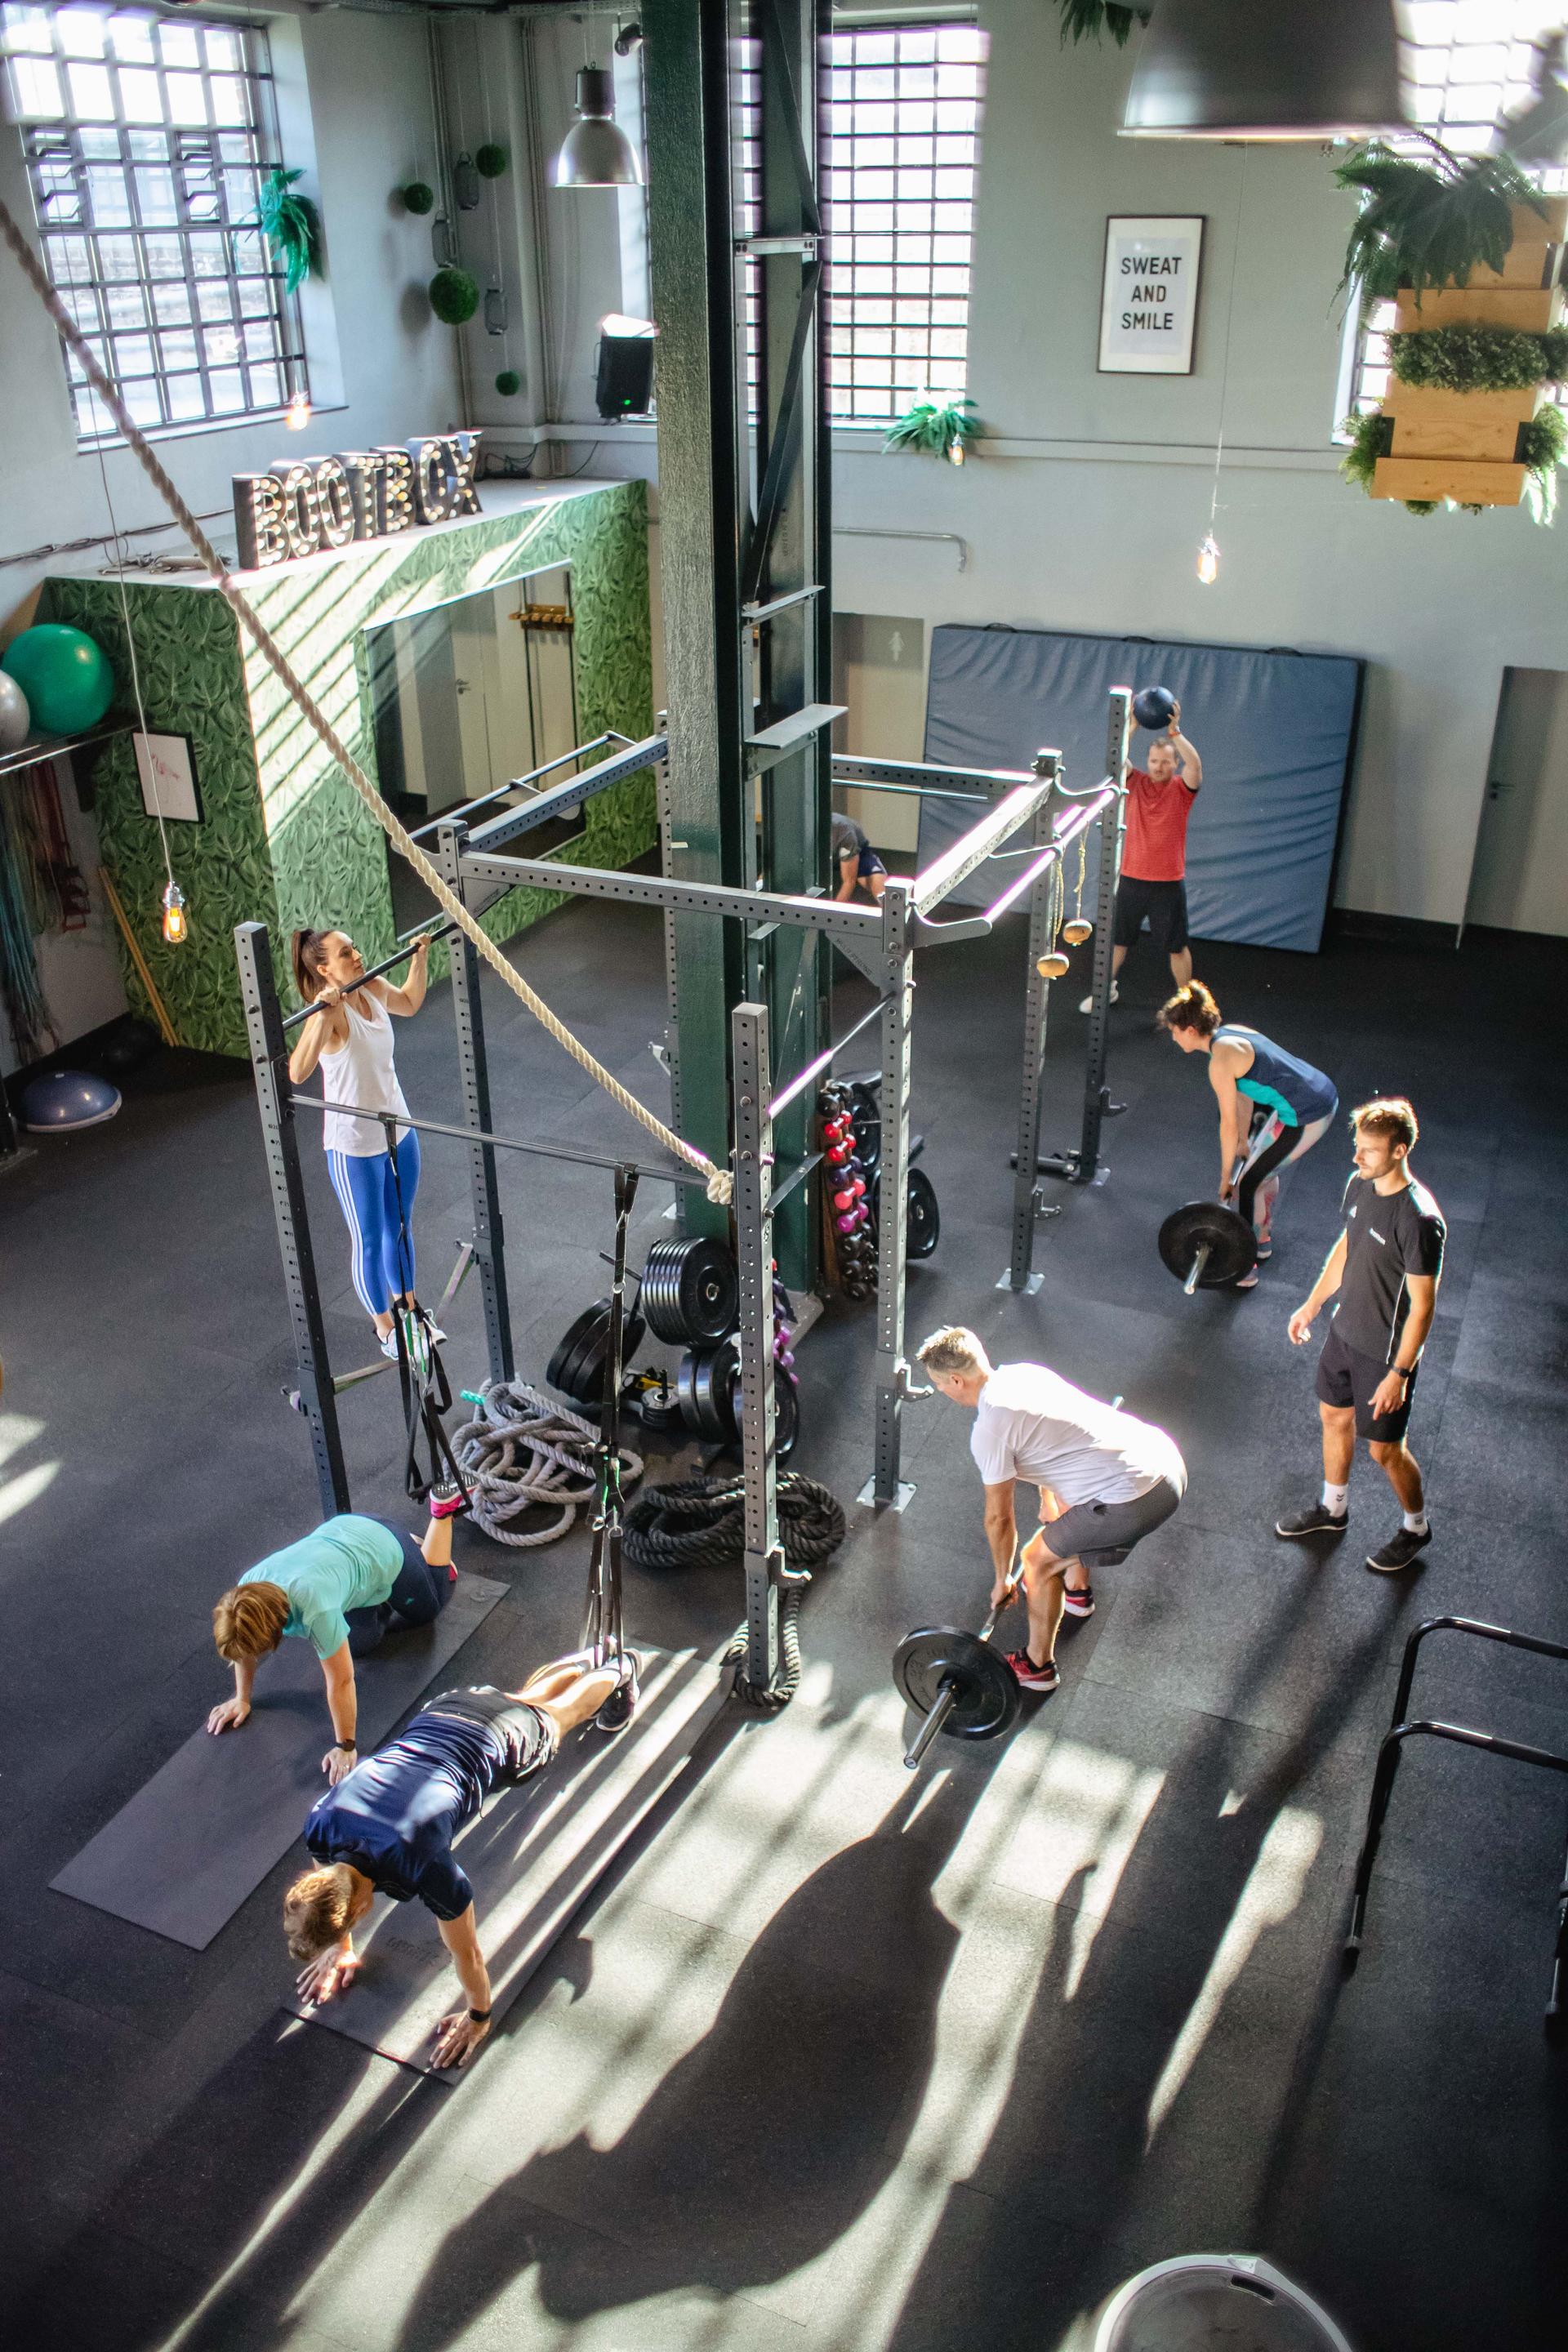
1317, 1519
1399, 1550
1078, 1603
621, 1706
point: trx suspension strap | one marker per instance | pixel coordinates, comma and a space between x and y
602, 1629
421, 1374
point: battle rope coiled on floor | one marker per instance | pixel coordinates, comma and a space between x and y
701, 1523
522, 1452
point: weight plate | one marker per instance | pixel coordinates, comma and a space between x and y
924, 1230
703, 1385
570, 1339
690, 1291
1232, 1244
591, 1359
787, 1412
987, 1697
659, 1409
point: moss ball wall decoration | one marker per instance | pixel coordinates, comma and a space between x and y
454, 296
418, 198
490, 161
509, 383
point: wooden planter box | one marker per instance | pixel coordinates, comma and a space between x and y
1463, 444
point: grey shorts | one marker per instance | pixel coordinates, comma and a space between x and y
1102, 1534
527, 1736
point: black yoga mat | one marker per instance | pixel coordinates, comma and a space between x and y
191, 1845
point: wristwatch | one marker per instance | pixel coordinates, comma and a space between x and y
347, 1747
480, 2016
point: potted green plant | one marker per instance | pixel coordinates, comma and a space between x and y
935, 428
291, 227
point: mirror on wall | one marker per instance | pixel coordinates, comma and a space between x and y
467, 696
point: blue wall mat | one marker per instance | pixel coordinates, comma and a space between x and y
1274, 728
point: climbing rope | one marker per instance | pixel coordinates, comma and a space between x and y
719, 1183
522, 1452
701, 1523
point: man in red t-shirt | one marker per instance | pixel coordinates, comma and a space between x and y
1154, 853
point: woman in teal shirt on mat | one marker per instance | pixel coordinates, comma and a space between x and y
1249, 1072
342, 1588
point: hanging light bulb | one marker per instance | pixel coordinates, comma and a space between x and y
174, 924
597, 153
297, 415
955, 452
1208, 561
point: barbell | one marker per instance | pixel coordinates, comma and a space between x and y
1208, 1246
956, 1681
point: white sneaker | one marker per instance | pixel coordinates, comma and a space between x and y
1087, 1005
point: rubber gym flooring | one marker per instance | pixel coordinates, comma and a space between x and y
838, 2058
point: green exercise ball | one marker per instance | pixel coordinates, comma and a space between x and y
454, 296
65, 677
509, 383
418, 198
491, 159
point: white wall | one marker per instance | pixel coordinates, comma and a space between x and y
1086, 510
369, 106
1520, 877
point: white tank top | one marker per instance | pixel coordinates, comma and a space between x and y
361, 1071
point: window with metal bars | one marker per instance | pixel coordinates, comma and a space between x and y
147, 139
1466, 65
901, 125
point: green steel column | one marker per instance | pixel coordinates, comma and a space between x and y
701, 521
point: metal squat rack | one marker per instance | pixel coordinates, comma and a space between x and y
880, 941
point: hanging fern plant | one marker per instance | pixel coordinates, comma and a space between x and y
935, 430
291, 227
1426, 225
1091, 20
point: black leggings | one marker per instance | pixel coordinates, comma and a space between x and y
1258, 1171
417, 1598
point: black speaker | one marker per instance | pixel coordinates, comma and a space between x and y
624, 384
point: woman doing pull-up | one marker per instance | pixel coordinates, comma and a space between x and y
1247, 1068
351, 1037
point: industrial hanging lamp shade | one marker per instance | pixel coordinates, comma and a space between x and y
597, 153
1266, 69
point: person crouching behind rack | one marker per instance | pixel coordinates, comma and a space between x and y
344, 1587
349, 1034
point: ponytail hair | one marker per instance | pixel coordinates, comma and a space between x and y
1192, 1007
310, 964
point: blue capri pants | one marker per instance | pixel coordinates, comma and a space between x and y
382, 1263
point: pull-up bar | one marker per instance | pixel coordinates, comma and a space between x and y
407, 942
975, 926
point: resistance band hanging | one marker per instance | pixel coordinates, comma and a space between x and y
601, 1628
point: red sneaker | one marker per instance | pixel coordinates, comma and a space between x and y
1045, 1679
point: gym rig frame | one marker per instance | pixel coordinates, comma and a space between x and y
881, 941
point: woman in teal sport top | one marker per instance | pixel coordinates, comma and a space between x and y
343, 1588
1249, 1072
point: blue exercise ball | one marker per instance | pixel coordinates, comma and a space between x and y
59, 1100
65, 676
16, 719
1153, 707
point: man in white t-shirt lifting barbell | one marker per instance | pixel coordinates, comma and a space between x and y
1105, 1481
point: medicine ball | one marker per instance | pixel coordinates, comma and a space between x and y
1153, 707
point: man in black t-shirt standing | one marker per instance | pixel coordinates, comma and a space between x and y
1386, 1266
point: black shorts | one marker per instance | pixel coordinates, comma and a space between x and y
527, 1736
1346, 1377
1164, 904
1102, 1534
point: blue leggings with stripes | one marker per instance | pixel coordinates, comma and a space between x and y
382, 1264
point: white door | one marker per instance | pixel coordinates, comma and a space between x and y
1519, 880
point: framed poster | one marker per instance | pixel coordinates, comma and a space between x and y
168, 777
1149, 304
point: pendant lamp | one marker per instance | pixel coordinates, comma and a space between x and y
1266, 69
597, 153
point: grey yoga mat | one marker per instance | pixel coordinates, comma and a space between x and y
192, 1844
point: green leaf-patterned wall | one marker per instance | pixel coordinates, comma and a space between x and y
284, 839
